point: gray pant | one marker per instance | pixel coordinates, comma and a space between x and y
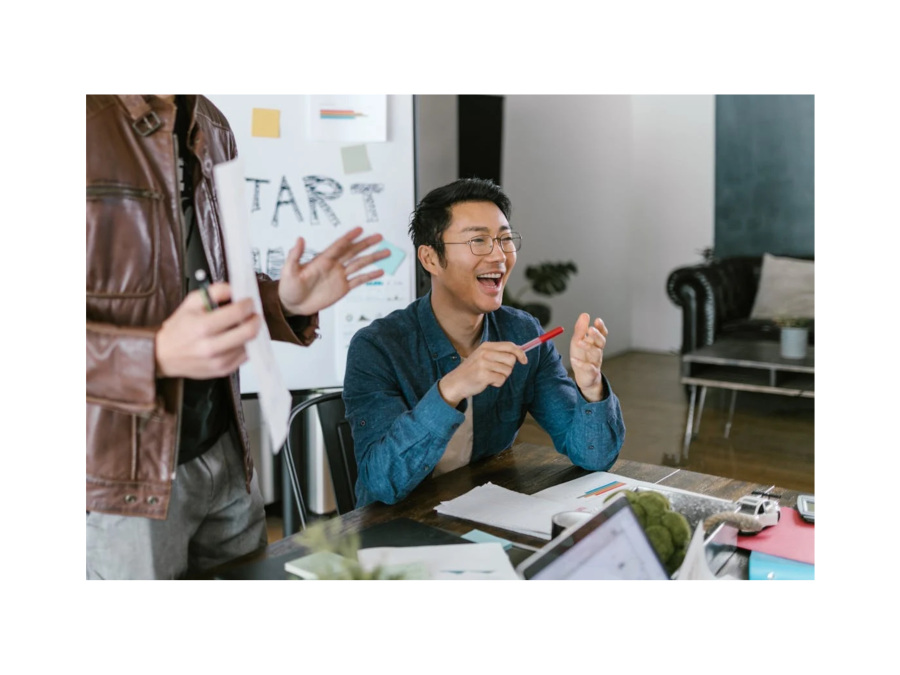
211, 520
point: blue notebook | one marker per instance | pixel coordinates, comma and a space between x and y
770, 567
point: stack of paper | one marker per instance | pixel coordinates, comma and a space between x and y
451, 561
493, 505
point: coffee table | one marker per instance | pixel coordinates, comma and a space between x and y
742, 365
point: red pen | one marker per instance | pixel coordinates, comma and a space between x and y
540, 340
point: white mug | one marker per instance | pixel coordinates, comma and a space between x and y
567, 519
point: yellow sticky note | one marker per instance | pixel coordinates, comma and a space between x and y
266, 123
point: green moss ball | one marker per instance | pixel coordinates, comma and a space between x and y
661, 539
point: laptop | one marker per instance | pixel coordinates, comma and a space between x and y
611, 545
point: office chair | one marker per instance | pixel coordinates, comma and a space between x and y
338, 450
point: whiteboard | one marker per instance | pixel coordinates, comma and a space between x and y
320, 189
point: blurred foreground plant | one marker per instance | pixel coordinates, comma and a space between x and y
325, 536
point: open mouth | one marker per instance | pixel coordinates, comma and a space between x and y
490, 280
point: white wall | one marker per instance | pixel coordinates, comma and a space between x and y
622, 185
566, 168
673, 207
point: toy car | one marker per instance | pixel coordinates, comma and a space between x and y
766, 511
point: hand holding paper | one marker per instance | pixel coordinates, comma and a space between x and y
201, 344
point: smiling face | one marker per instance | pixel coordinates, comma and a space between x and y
468, 282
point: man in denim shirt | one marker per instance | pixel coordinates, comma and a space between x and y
443, 382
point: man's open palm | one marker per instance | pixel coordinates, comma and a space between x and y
308, 288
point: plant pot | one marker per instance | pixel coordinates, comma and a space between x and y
793, 342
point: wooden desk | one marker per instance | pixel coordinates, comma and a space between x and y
526, 468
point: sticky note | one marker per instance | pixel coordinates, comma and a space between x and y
480, 537
392, 262
266, 123
355, 158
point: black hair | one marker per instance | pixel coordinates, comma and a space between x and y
432, 214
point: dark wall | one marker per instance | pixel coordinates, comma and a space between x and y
480, 146
765, 175
480, 136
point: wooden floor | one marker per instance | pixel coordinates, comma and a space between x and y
771, 440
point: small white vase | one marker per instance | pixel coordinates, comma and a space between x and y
793, 342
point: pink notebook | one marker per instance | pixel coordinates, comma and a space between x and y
791, 538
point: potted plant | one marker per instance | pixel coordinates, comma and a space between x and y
324, 538
794, 335
545, 279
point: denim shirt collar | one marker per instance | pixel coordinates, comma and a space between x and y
439, 344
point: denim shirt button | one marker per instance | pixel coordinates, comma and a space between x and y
362, 423
588, 412
590, 447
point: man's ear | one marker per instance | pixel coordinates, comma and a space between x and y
429, 259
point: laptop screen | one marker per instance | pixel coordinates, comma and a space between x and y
611, 545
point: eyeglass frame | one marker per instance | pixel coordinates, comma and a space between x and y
509, 235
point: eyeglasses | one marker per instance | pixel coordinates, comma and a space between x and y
483, 245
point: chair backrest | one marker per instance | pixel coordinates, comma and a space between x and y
338, 447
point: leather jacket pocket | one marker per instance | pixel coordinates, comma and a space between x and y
122, 240
126, 448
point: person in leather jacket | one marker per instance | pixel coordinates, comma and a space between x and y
171, 487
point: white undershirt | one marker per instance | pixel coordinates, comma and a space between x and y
459, 447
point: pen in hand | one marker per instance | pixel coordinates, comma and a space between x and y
200, 276
541, 339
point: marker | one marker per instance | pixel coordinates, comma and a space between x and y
540, 340
200, 276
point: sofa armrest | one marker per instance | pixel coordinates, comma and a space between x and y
712, 293
687, 290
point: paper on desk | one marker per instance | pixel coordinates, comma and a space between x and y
694, 566
589, 493
493, 505
451, 561
274, 398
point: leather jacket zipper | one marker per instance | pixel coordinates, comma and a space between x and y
121, 191
179, 225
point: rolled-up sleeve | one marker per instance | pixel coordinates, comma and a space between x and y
590, 434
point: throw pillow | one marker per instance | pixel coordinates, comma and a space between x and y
786, 288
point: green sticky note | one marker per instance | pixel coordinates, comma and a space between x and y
355, 158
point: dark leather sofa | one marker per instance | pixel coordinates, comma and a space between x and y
716, 298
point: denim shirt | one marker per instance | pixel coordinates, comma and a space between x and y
401, 424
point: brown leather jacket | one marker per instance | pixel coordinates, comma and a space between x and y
135, 281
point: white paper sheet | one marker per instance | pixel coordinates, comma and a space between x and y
493, 505
575, 494
274, 398
452, 561
694, 567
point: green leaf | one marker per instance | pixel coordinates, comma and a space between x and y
550, 278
